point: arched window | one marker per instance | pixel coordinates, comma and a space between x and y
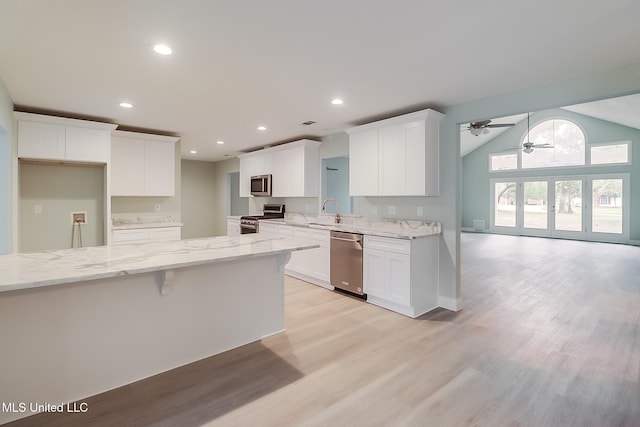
566, 139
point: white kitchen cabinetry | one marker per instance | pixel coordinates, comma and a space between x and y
59, 139
233, 226
312, 265
396, 157
363, 163
142, 165
145, 235
401, 275
294, 169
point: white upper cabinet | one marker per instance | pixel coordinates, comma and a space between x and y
294, 169
363, 163
396, 157
142, 165
60, 139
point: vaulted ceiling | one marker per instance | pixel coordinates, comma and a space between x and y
237, 65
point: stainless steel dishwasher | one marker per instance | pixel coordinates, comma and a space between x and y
346, 262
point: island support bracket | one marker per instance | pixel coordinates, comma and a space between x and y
166, 280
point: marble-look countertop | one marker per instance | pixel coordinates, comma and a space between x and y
397, 228
128, 221
32, 270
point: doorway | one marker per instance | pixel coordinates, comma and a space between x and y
588, 207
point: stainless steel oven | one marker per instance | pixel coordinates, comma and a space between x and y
250, 223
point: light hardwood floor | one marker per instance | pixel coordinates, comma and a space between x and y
549, 336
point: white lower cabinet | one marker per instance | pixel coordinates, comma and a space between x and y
401, 275
145, 235
311, 265
233, 226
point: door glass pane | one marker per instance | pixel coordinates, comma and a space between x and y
535, 204
505, 204
568, 205
607, 206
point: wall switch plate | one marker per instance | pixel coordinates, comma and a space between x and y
391, 210
37, 209
307, 207
420, 211
375, 210
79, 217
157, 207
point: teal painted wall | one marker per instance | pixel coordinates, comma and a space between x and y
476, 202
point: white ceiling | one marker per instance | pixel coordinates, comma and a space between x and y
240, 64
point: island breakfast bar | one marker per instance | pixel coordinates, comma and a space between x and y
78, 322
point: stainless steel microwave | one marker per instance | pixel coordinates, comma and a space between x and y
261, 185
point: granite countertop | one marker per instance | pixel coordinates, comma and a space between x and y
400, 229
32, 270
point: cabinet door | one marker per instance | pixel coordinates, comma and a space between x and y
392, 153
41, 141
159, 169
246, 170
398, 278
374, 272
363, 163
414, 167
87, 145
127, 166
233, 227
281, 177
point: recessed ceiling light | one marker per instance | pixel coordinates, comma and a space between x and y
262, 128
193, 152
162, 49
337, 101
220, 142
126, 105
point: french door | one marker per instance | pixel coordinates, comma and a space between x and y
590, 207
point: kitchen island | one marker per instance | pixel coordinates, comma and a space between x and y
78, 322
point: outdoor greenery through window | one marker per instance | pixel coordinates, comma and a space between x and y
567, 143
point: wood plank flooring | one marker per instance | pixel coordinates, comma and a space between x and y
549, 336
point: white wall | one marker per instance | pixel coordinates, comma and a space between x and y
6, 170
59, 190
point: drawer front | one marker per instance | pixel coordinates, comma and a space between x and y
389, 244
265, 227
164, 234
124, 236
310, 233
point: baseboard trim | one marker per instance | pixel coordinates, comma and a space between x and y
453, 304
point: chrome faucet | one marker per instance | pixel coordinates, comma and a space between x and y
338, 219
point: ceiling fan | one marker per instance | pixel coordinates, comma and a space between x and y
527, 147
478, 128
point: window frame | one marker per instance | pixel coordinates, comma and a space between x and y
626, 142
491, 155
547, 119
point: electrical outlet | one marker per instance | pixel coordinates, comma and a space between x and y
78, 217
157, 207
37, 209
391, 210
420, 211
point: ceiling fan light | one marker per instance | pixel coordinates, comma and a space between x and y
476, 131
527, 150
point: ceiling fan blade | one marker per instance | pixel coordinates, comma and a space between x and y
479, 124
512, 149
501, 125
542, 146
